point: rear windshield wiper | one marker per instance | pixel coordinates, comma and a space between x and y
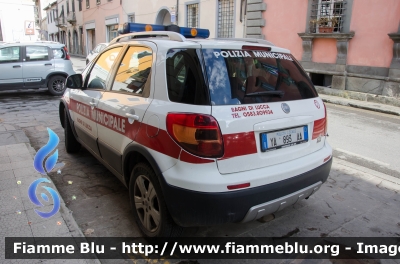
278, 93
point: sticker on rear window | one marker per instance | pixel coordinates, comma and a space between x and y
256, 54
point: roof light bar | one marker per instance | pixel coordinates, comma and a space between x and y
185, 31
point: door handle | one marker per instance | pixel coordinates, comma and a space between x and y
92, 103
48, 64
17, 66
134, 117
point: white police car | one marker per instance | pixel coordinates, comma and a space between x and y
201, 131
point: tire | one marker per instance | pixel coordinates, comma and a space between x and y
148, 205
56, 85
71, 144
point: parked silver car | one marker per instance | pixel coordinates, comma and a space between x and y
93, 53
34, 65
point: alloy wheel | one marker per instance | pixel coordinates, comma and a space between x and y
146, 203
58, 85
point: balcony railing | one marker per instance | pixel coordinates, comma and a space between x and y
60, 22
71, 18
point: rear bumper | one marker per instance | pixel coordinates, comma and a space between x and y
193, 208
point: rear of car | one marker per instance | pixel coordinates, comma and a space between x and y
252, 131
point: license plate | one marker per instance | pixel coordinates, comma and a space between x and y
283, 138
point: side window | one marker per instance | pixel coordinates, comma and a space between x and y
101, 69
185, 78
37, 53
59, 53
9, 54
133, 74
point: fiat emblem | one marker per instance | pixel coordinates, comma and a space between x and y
316, 104
285, 108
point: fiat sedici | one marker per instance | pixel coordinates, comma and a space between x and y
201, 131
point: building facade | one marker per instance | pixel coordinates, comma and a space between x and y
224, 18
101, 19
17, 19
41, 18
70, 25
349, 45
52, 22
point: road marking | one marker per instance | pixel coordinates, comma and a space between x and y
363, 157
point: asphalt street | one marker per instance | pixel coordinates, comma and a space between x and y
360, 197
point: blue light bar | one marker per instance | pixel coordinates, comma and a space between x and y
185, 31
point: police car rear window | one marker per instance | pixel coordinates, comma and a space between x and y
248, 76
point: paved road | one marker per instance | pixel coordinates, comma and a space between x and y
369, 139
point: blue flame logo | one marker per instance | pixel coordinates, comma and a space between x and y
49, 164
44, 151
35, 200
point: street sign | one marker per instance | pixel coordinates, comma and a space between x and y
29, 27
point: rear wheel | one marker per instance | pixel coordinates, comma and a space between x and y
71, 144
148, 205
56, 85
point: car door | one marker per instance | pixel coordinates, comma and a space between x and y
37, 64
84, 102
11, 67
122, 107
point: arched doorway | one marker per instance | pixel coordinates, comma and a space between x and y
163, 17
76, 45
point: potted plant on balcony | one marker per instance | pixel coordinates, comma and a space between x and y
325, 24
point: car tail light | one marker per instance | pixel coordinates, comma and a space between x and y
196, 133
320, 126
67, 57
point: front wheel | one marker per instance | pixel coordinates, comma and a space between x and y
148, 205
56, 85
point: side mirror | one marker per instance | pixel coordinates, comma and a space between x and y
74, 81
91, 52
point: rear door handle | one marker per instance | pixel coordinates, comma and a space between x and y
92, 103
48, 64
134, 117
17, 66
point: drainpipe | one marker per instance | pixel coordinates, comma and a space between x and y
244, 17
176, 12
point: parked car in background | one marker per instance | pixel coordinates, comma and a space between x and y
93, 53
34, 65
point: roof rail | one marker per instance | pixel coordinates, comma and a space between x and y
252, 40
149, 34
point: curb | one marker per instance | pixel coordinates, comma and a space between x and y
355, 105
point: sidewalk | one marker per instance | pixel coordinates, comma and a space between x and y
17, 215
381, 104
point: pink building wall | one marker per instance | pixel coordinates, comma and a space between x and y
283, 20
324, 50
372, 20
98, 13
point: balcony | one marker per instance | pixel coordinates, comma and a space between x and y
60, 22
71, 18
